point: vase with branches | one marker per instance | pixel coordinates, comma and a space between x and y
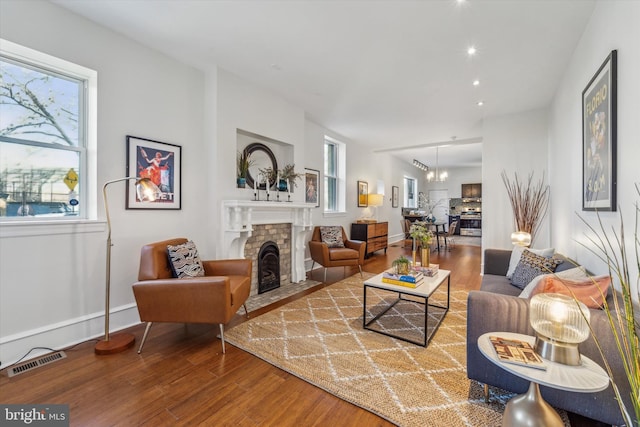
429, 205
624, 315
529, 202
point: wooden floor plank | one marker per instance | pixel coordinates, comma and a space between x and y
182, 377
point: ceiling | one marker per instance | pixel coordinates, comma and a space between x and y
393, 75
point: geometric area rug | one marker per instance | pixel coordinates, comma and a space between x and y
320, 339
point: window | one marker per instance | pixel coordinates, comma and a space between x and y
46, 136
334, 175
410, 192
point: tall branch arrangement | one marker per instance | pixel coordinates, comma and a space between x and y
529, 202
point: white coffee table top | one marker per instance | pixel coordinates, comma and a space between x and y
585, 378
428, 286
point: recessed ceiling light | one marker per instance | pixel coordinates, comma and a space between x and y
480, 103
476, 82
471, 51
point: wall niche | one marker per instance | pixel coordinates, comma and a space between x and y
265, 152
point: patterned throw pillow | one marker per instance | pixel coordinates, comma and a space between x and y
332, 236
516, 253
185, 261
530, 266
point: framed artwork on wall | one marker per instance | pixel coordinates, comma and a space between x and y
162, 164
312, 186
394, 196
599, 122
363, 194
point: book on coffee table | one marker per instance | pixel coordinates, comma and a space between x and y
411, 280
517, 352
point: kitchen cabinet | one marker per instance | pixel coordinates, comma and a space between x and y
471, 191
375, 234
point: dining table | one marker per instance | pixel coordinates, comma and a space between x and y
437, 226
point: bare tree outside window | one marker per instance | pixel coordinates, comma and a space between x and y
41, 140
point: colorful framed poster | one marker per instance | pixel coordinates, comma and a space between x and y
599, 122
162, 164
312, 186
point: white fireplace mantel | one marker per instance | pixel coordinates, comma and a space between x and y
239, 216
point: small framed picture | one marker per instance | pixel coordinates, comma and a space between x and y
394, 196
312, 186
599, 117
363, 194
162, 164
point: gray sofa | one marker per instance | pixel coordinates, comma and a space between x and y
496, 307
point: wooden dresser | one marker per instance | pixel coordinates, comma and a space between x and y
375, 234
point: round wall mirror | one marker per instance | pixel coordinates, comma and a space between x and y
261, 157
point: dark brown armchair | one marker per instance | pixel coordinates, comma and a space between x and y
214, 298
352, 253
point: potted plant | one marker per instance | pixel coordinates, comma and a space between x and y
288, 177
401, 265
270, 174
423, 235
243, 163
624, 319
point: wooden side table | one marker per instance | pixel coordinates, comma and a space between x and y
530, 409
374, 233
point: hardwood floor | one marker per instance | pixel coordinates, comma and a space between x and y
182, 377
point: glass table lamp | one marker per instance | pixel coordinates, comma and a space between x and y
561, 323
521, 238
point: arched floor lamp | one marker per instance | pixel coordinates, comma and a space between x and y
146, 191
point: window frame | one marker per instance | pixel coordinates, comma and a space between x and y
87, 144
340, 163
407, 179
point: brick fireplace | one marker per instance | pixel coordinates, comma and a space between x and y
247, 225
260, 248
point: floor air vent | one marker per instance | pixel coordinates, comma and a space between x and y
36, 363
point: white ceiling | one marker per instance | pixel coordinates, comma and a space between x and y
388, 74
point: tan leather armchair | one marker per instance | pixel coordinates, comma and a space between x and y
352, 253
214, 298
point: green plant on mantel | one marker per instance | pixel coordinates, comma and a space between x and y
243, 164
623, 319
288, 174
270, 174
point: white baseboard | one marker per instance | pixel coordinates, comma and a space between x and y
61, 335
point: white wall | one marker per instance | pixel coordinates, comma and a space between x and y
52, 285
236, 104
515, 142
613, 25
362, 165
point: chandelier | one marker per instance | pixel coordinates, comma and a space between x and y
437, 176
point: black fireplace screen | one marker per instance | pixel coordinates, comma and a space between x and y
268, 267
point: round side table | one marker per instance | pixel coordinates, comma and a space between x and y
530, 409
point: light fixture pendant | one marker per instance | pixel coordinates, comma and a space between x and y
437, 176
420, 165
